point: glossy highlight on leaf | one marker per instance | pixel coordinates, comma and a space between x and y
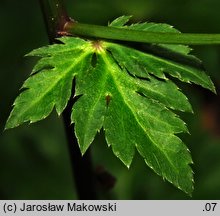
124, 91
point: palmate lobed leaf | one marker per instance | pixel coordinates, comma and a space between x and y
122, 90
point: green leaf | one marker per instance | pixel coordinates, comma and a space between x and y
156, 65
125, 91
51, 87
132, 120
142, 64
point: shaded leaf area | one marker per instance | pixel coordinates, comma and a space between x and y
122, 90
156, 65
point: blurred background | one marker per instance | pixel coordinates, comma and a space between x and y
34, 160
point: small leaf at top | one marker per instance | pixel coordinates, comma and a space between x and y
120, 21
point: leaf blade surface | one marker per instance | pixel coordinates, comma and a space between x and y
123, 90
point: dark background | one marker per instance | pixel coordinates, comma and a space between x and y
34, 161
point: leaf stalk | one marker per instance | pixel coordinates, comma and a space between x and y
125, 34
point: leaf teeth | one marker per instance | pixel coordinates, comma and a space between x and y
153, 138
51, 85
83, 151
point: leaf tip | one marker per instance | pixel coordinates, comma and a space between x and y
83, 148
213, 89
128, 166
10, 125
5, 128
120, 21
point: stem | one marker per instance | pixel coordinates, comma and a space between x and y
55, 17
82, 166
126, 34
